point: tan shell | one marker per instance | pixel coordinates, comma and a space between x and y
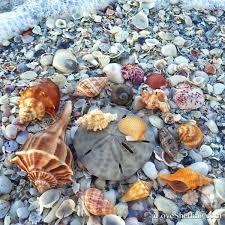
96, 120
45, 156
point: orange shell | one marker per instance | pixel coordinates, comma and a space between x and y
133, 126
191, 135
90, 87
37, 100
45, 156
138, 190
185, 179
96, 204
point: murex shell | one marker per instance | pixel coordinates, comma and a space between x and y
38, 100
45, 156
107, 155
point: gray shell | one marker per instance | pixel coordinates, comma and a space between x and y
106, 154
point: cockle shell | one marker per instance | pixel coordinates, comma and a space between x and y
96, 204
156, 80
185, 179
133, 127
155, 100
38, 100
45, 156
96, 120
138, 190
90, 87
191, 135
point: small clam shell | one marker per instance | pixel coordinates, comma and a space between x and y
65, 209
59, 23
114, 73
156, 121
5, 185
140, 20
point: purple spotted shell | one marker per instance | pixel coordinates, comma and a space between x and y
133, 73
188, 97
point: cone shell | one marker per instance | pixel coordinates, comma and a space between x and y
38, 100
155, 100
185, 179
138, 190
90, 87
96, 204
191, 135
133, 126
45, 156
96, 120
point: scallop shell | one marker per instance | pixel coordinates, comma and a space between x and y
185, 179
155, 80
191, 135
38, 100
138, 190
45, 156
96, 204
122, 94
90, 87
155, 100
96, 120
133, 127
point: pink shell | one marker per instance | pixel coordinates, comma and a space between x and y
188, 97
133, 73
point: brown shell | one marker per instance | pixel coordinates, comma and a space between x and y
191, 135
156, 80
96, 204
185, 179
38, 100
45, 156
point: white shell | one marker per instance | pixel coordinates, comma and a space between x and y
4, 208
112, 219
121, 36
59, 23
156, 121
114, 73
219, 188
176, 79
208, 197
211, 124
122, 210
200, 167
140, 20
5, 185
65, 209
150, 170
169, 50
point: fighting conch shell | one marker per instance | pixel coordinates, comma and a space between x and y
96, 120
38, 100
138, 190
185, 179
45, 156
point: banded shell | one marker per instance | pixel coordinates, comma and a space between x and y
191, 135
185, 179
156, 80
38, 100
134, 127
138, 190
96, 204
45, 156
90, 87
96, 120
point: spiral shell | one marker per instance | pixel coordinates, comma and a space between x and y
45, 156
191, 135
90, 87
96, 120
38, 100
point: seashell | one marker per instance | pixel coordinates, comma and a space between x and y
155, 100
156, 121
140, 20
96, 120
122, 209
160, 64
133, 126
64, 61
112, 219
210, 69
190, 198
114, 72
171, 118
176, 79
155, 80
45, 156
133, 73
185, 179
150, 171
5, 185
138, 190
169, 50
191, 135
219, 189
168, 142
198, 81
90, 87
59, 23
122, 94
188, 97
209, 198
217, 217
4, 208
37, 100
65, 209
96, 204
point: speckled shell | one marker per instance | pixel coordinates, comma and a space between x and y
96, 120
191, 135
38, 100
185, 179
133, 126
138, 190
155, 100
45, 156
156, 80
90, 87
96, 204
188, 97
